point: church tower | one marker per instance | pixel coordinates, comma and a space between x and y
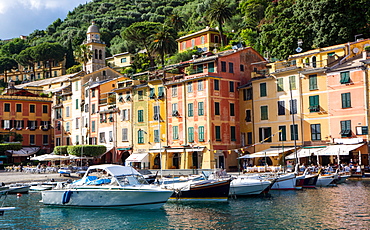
97, 48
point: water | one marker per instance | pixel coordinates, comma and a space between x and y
344, 207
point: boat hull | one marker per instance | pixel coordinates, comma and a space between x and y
285, 182
203, 190
106, 198
324, 181
21, 189
247, 187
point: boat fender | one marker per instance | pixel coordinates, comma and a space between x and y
66, 196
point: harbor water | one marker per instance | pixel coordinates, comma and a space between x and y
346, 206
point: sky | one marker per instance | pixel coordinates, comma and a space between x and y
22, 17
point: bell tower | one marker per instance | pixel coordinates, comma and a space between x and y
97, 48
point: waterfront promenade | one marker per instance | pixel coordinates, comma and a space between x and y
18, 177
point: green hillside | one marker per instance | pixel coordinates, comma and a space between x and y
271, 27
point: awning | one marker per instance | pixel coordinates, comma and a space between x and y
175, 150
123, 149
108, 150
24, 152
195, 149
305, 152
138, 157
334, 150
271, 152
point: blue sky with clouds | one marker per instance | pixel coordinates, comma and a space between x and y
22, 17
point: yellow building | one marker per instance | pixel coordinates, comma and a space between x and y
206, 39
120, 61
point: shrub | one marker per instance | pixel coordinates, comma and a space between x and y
86, 150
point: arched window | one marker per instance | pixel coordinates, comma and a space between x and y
96, 54
314, 61
100, 54
217, 39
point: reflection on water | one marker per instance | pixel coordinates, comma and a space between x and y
346, 206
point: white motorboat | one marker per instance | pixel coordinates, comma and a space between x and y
325, 180
18, 188
245, 186
111, 186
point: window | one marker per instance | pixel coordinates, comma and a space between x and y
314, 103
264, 112
217, 108
32, 140
248, 94
156, 135
312, 82
200, 108
67, 127
175, 132
292, 84
18, 108
293, 106
76, 86
344, 77
201, 133
232, 133
93, 109
345, 128
140, 136
191, 134
294, 132
93, 126
192, 43
140, 116
93, 93
248, 115
32, 108
184, 45
123, 60
241, 68
125, 134
223, 66
316, 132
200, 85
190, 87
6, 124
280, 84
249, 138
202, 40
231, 87
76, 103
18, 124
68, 141
265, 134
211, 67
102, 137
281, 107
156, 109
190, 110
125, 114
282, 133
314, 61
45, 139
263, 92
232, 109
231, 67
7, 107
346, 100
67, 111
151, 93
77, 123
175, 112
160, 92
140, 95
174, 91
216, 84
199, 69
218, 133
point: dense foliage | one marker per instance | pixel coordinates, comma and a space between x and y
272, 27
86, 150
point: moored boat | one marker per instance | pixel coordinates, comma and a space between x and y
244, 186
112, 186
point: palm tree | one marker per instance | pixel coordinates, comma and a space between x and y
219, 12
82, 55
163, 42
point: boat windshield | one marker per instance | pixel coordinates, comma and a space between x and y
133, 179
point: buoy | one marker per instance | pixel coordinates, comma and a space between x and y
19, 195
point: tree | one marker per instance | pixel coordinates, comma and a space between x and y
163, 42
219, 12
139, 34
82, 55
48, 53
27, 58
6, 64
15, 46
